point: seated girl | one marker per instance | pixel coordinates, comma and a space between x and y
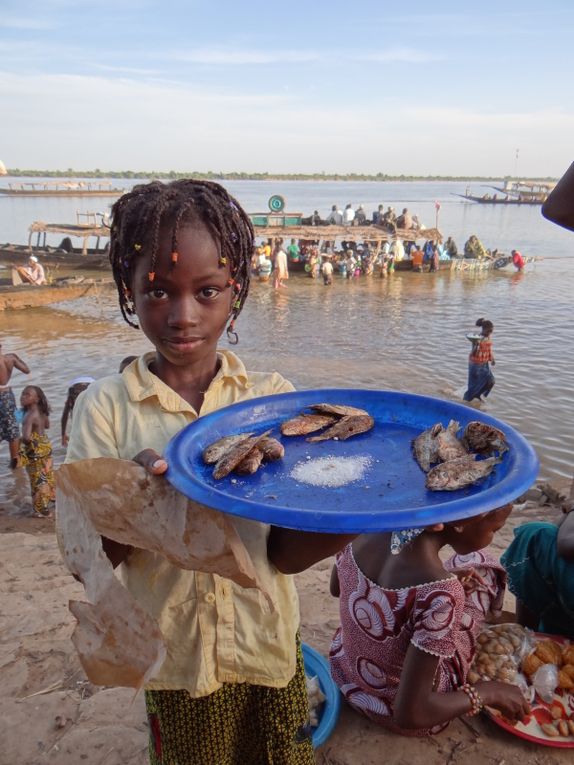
540, 567
409, 624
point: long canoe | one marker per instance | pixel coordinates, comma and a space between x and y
61, 189
28, 296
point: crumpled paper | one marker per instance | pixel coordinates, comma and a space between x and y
117, 641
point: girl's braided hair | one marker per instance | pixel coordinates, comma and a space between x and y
140, 214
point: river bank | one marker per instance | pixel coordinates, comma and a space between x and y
51, 713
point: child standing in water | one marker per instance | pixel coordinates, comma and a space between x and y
232, 688
36, 449
409, 624
480, 377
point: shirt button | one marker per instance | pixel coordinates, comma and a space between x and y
210, 598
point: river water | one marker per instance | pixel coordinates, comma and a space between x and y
406, 332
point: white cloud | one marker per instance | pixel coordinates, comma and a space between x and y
123, 123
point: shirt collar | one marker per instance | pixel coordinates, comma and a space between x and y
142, 384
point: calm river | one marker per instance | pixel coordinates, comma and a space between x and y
406, 332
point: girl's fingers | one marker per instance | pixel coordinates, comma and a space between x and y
151, 461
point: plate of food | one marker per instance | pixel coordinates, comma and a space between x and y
350, 461
543, 666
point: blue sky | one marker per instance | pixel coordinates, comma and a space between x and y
373, 86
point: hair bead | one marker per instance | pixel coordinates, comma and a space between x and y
174, 257
151, 276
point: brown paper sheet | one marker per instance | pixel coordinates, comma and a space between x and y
117, 641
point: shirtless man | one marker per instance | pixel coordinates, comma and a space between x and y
9, 429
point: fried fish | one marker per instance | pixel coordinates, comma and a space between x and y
449, 447
346, 427
215, 451
306, 423
484, 439
231, 459
460, 472
425, 447
339, 410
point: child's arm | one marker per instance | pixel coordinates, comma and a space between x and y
418, 705
19, 364
559, 207
27, 427
64, 421
294, 551
565, 539
334, 585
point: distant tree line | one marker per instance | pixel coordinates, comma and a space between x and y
213, 176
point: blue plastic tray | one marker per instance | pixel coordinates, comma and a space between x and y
317, 665
392, 494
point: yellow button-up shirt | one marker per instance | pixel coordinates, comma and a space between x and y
215, 631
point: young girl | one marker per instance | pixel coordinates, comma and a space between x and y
232, 688
36, 449
77, 385
409, 624
480, 377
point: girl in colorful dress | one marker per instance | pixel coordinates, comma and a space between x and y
232, 687
36, 449
480, 377
409, 624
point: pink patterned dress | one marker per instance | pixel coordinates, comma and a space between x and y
378, 625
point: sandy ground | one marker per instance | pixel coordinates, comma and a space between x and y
50, 713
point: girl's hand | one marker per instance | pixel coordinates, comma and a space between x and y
470, 579
151, 461
507, 698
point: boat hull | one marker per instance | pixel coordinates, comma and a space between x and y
27, 296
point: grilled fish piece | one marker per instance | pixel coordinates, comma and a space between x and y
484, 439
306, 423
449, 447
346, 427
236, 454
458, 473
425, 447
339, 410
215, 451
272, 449
251, 462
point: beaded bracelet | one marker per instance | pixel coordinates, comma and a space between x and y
476, 703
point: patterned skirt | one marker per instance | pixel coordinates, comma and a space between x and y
9, 428
36, 456
240, 724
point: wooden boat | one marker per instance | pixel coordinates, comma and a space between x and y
515, 193
66, 254
29, 296
61, 189
50, 257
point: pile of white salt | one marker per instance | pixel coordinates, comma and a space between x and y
331, 471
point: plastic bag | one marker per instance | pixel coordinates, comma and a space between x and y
500, 651
544, 681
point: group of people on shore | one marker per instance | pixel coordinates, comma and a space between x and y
181, 256
357, 216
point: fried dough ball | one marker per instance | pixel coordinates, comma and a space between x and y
549, 652
531, 663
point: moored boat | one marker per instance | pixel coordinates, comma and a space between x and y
61, 189
14, 298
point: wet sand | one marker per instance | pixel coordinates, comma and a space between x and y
51, 713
